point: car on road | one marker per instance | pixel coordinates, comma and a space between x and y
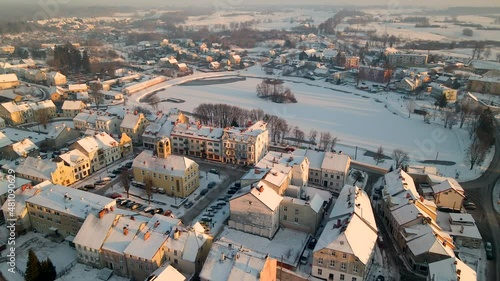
89, 186
211, 184
214, 171
112, 176
124, 202
204, 191
470, 206
188, 205
380, 278
489, 251
116, 172
312, 243
159, 211
114, 195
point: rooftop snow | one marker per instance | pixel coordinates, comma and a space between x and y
130, 120
6, 78
4, 140
335, 162
238, 264
447, 269
72, 105
399, 184
22, 148
243, 134
173, 164
286, 243
448, 184
94, 231
268, 196
71, 201
198, 131
73, 157
167, 273
117, 241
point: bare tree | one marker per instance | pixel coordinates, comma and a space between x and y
357, 176
98, 98
125, 180
400, 158
487, 53
312, 136
379, 155
43, 117
410, 105
476, 152
333, 142
465, 111
449, 118
298, 135
154, 101
473, 123
148, 186
324, 140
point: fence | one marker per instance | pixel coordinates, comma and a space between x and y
66, 269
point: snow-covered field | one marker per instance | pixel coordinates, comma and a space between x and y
357, 118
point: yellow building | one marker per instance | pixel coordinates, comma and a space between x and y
39, 170
8, 81
134, 125
71, 108
177, 175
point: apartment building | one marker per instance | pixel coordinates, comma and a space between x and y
245, 146
108, 123
40, 170
134, 124
400, 59
176, 175
78, 161
194, 139
71, 108
101, 149
21, 113
374, 74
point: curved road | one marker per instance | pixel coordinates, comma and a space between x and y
480, 191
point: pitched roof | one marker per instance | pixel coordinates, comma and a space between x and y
451, 269
130, 120
264, 193
335, 161
38, 168
94, 231
166, 273
73, 157
172, 164
117, 241
22, 148
73, 105
4, 140
448, 184
6, 78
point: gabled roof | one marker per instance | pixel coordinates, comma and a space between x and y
452, 269
6, 78
448, 184
94, 231
130, 120
4, 140
335, 161
73, 105
22, 148
73, 157
172, 164
264, 194
166, 273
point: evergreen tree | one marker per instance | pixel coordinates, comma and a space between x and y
85, 62
442, 101
33, 267
47, 271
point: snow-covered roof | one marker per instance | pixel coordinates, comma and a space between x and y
4, 183
4, 140
232, 262
22, 148
73, 105
286, 245
406, 213
71, 201
37, 168
244, 134
425, 241
7, 78
94, 231
315, 204
188, 242
335, 162
105, 140
264, 194
15, 135
13, 107
351, 228
172, 164
82, 117
147, 248
280, 166
73, 157
42, 105
117, 241
54, 74
166, 272
449, 183
451, 269
77, 87
22, 196
197, 131
56, 130
130, 120
398, 184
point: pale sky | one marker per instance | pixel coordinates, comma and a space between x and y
428, 3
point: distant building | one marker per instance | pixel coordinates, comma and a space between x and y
40, 170
485, 85
302, 215
23, 148
400, 59
71, 108
56, 79
8, 81
108, 123
374, 74
61, 136
134, 125
439, 90
452, 269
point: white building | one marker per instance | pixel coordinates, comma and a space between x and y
245, 146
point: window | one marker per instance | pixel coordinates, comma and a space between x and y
355, 268
332, 263
342, 265
344, 256
334, 254
296, 211
320, 261
354, 279
285, 208
297, 220
342, 277
320, 271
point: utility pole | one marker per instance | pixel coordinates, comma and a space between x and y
356, 153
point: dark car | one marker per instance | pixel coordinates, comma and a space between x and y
89, 186
211, 184
189, 205
470, 206
214, 171
204, 191
489, 251
380, 278
159, 211
231, 191
312, 243
221, 203
116, 172
83, 188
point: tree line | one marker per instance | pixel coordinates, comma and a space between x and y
67, 59
37, 270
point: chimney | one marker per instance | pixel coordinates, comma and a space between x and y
261, 188
125, 230
338, 222
146, 235
257, 171
101, 213
421, 198
177, 233
111, 208
408, 195
157, 223
222, 257
132, 218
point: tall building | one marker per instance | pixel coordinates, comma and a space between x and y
245, 146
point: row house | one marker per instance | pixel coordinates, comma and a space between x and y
194, 139
55, 78
108, 123
158, 129
245, 146
340, 254
23, 148
21, 113
177, 175
400, 59
302, 215
24, 190
60, 136
485, 85
72, 108
62, 211
374, 74
78, 162
134, 125
8, 81
438, 90
40, 170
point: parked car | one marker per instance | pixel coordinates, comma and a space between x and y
116, 172
489, 251
231, 191
159, 211
312, 243
188, 205
135, 206
204, 191
114, 195
89, 186
211, 184
83, 188
305, 257
214, 171
129, 204
221, 203
124, 202
470, 206
205, 219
